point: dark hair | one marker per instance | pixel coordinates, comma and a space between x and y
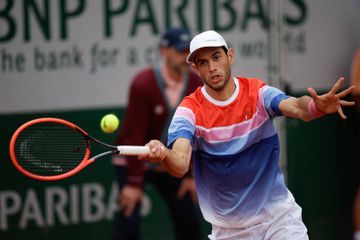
225, 49
222, 47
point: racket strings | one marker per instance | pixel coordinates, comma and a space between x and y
50, 149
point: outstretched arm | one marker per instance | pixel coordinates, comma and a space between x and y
308, 108
176, 160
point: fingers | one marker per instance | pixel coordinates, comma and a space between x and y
123, 203
127, 205
337, 85
129, 198
155, 147
128, 210
157, 152
332, 99
312, 93
346, 103
341, 113
181, 192
345, 92
143, 156
188, 186
194, 197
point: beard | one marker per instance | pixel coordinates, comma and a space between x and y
220, 86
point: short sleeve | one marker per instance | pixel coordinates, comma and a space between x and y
182, 125
272, 98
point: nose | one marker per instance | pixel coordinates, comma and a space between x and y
212, 66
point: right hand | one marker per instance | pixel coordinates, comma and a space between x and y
157, 152
129, 197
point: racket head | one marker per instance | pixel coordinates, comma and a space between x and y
49, 149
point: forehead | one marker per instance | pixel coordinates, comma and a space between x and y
206, 52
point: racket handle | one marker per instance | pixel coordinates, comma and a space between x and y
133, 150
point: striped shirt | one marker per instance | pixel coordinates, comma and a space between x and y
235, 152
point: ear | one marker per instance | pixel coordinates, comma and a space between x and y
193, 65
231, 55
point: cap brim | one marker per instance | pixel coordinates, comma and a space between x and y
190, 57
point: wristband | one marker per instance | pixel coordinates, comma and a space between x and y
313, 111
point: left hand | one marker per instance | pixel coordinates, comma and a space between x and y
331, 102
188, 186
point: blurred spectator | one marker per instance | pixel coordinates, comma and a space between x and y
154, 95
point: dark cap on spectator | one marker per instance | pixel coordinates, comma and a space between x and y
178, 38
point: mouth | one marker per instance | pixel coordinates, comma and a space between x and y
215, 78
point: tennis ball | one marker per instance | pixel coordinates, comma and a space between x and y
109, 123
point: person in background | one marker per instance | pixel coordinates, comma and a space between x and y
154, 94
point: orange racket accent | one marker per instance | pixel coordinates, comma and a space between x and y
54, 149
14, 158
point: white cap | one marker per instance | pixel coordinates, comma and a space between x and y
205, 39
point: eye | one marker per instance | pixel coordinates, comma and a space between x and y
201, 62
216, 57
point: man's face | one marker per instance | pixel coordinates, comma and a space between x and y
176, 59
214, 66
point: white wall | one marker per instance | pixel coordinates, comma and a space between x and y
328, 37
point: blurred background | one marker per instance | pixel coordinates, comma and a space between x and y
74, 59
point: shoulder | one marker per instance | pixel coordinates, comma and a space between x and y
251, 87
251, 83
193, 101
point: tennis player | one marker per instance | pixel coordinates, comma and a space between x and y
228, 127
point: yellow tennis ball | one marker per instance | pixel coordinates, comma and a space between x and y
109, 123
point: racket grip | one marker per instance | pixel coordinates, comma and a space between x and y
133, 150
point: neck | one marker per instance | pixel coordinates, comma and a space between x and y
222, 94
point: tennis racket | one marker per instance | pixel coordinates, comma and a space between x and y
54, 149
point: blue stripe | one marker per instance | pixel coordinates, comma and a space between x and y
272, 98
275, 104
180, 128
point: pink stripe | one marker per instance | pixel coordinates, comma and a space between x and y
231, 132
185, 113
